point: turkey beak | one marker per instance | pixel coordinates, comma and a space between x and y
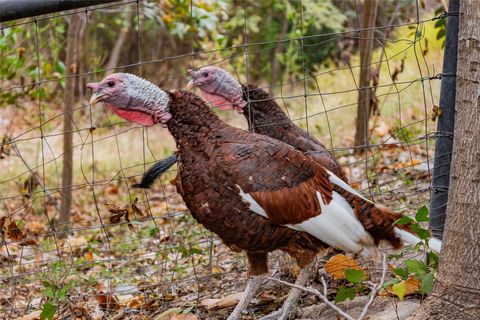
96, 96
190, 84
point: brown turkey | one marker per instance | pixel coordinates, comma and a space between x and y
263, 115
256, 193
261, 111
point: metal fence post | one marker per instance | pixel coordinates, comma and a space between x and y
17, 9
445, 125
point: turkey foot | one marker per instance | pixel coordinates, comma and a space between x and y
293, 295
253, 285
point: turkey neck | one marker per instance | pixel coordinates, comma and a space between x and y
263, 114
192, 121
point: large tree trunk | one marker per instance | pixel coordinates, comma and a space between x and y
69, 101
365, 93
457, 290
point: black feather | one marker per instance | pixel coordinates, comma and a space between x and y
155, 171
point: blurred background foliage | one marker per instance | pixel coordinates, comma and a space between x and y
156, 31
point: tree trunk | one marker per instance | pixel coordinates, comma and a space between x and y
365, 94
69, 101
279, 49
117, 48
456, 294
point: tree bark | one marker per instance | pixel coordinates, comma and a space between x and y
456, 294
365, 93
117, 48
69, 101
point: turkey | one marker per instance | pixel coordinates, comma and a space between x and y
263, 115
256, 193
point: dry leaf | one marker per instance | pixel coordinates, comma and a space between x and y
224, 302
403, 164
2, 224
183, 316
107, 301
337, 265
135, 302
168, 315
437, 112
14, 232
36, 228
136, 210
35, 315
412, 285
111, 189
77, 242
89, 256
216, 269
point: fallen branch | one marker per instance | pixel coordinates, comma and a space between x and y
330, 304
375, 289
318, 294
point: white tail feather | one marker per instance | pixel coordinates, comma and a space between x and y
409, 238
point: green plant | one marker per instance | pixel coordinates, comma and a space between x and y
412, 276
54, 294
355, 278
414, 271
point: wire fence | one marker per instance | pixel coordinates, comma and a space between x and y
140, 249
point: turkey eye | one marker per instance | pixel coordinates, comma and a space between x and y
205, 74
110, 83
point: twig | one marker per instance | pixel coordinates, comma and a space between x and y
324, 283
318, 294
324, 298
375, 289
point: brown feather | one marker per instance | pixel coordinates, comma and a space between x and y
265, 116
216, 158
296, 204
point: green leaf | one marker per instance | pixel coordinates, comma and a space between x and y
402, 272
404, 220
416, 266
49, 292
426, 283
195, 250
441, 34
421, 232
433, 260
391, 282
422, 214
183, 251
62, 294
400, 289
354, 276
153, 231
344, 293
48, 311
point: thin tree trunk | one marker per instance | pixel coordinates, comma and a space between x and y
279, 49
117, 48
365, 94
69, 101
81, 59
456, 294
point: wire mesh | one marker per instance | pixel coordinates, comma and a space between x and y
124, 244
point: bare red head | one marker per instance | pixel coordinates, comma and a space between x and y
218, 87
132, 98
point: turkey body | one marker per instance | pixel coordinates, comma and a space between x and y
264, 116
259, 194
